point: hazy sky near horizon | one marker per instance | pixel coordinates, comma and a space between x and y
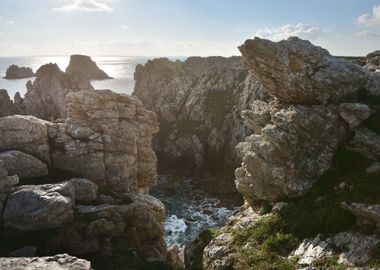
182, 27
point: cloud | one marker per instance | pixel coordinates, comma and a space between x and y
370, 20
125, 27
86, 5
305, 31
367, 33
9, 22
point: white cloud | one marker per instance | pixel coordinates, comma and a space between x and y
86, 5
9, 22
367, 33
305, 31
125, 27
370, 20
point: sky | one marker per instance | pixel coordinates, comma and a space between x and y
182, 27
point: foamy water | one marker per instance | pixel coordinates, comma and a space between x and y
189, 211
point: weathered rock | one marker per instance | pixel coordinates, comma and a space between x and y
357, 247
367, 143
46, 97
27, 134
23, 165
276, 163
355, 113
16, 72
106, 138
364, 212
84, 66
176, 258
198, 103
7, 106
57, 262
32, 208
312, 250
85, 190
295, 71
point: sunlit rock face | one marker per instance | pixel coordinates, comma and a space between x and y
309, 119
84, 66
46, 96
295, 71
198, 103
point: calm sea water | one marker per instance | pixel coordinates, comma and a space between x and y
120, 68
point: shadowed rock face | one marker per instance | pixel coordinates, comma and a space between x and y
7, 106
16, 72
198, 103
84, 66
295, 71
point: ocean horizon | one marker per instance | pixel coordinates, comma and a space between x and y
120, 68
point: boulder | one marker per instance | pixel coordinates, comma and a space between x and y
46, 96
23, 165
83, 65
85, 190
16, 72
27, 134
57, 262
33, 208
295, 71
355, 113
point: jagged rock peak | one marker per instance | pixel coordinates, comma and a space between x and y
295, 71
16, 72
83, 64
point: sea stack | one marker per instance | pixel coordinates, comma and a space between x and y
16, 72
84, 65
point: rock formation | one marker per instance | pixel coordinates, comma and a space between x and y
84, 66
8, 107
57, 262
16, 72
276, 163
106, 142
46, 96
198, 103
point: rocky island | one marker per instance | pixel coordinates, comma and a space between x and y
286, 127
16, 72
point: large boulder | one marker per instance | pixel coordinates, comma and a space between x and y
46, 96
27, 134
16, 72
33, 208
56, 262
23, 165
296, 71
83, 65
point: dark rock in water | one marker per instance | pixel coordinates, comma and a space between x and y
84, 66
7, 107
16, 72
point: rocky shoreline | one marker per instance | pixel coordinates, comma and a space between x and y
296, 128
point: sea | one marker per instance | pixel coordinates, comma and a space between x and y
189, 211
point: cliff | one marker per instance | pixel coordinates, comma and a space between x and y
198, 103
309, 171
83, 65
